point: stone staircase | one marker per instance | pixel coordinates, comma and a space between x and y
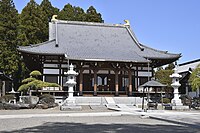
111, 103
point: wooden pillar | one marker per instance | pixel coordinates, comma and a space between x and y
136, 79
60, 82
4, 88
116, 83
95, 82
81, 83
130, 83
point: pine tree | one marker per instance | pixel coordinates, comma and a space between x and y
8, 37
163, 76
67, 13
93, 16
32, 24
195, 78
49, 11
170, 66
73, 13
79, 14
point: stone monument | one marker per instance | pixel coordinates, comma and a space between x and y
70, 102
176, 102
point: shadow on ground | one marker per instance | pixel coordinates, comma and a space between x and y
64, 127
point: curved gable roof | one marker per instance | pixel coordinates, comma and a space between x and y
97, 41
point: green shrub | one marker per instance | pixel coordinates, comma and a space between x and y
35, 85
47, 99
166, 100
52, 85
35, 73
6, 98
32, 83
23, 87
28, 80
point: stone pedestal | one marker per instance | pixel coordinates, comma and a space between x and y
70, 104
180, 107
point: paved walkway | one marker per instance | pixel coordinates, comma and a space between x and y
184, 119
72, 114
179, 117
103, 124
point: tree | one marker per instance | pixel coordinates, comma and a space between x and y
8, 37
22, 40
195, 78
32, 83
73, 13
93, 16
35, 74
79, 14
67, 13
170, 66
32, 24
162, 75
49, 11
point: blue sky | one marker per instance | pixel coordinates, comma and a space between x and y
169, 25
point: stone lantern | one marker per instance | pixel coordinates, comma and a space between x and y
176, 102
69, 103
175, 84
71, 82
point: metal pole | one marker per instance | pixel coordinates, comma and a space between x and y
143, 100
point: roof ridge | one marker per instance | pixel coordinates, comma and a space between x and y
134, 38
90, 23
189, 62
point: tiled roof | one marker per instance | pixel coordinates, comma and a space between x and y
153, 83
151, 53
185, 67
97, 41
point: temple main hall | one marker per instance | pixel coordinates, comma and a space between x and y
109, 58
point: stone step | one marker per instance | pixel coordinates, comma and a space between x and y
110, 100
